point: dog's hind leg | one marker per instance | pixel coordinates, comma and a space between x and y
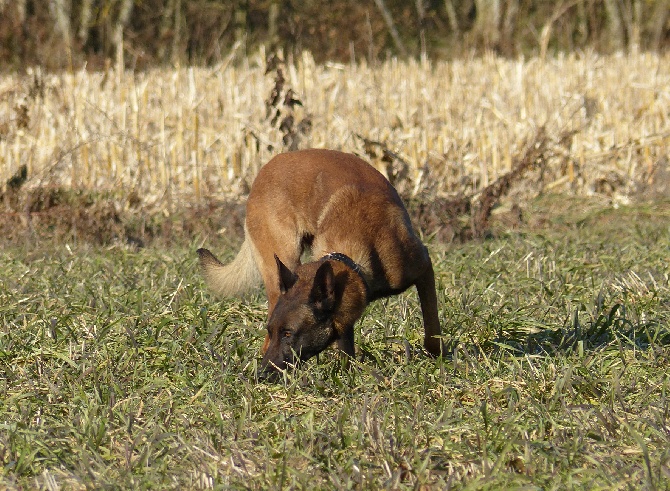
425, 286
273, 235
269, 272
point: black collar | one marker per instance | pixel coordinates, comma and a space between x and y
346, 260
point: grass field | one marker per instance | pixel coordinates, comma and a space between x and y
118, 370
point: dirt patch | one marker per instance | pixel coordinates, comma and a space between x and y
58, 214
655, 185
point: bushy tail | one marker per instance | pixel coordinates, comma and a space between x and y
234, 278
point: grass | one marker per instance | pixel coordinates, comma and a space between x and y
118, 370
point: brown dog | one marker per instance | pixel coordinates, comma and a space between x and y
362, 240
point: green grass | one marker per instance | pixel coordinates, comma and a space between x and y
119, 370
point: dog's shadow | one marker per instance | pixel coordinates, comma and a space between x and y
614, 328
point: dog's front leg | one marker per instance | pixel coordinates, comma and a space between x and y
425, 287
345, 342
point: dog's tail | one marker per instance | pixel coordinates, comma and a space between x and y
234, 278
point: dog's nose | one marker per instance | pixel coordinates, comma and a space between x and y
268, 374
270, 371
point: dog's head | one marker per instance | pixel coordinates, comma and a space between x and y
303, 321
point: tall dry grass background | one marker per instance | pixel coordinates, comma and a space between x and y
182, 134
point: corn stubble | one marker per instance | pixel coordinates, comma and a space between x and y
178, 135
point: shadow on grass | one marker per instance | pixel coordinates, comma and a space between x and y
614, 327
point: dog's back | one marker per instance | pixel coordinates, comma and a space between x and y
309, 178
333, 202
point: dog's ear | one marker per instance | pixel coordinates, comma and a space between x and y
287, 278
323, 295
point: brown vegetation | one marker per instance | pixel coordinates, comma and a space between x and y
166, 148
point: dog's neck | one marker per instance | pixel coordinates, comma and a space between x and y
351, 264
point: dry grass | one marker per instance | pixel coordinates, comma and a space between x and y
185, 133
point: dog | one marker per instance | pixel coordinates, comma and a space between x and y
362, 244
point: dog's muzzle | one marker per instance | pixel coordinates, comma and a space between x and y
270, 371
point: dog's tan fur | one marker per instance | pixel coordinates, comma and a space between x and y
330, 202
